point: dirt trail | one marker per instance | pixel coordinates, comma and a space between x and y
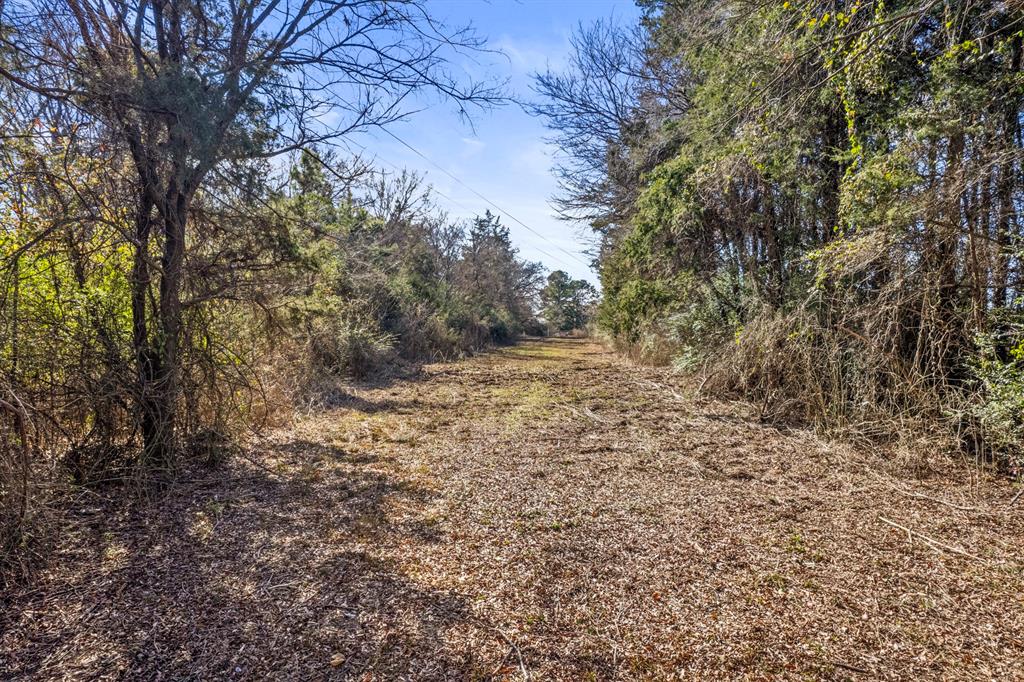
546, 512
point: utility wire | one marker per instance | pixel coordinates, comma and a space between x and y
481, 196
468, 209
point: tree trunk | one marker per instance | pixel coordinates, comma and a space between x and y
147, 356
945, 332
1007, 179
161, 442
157, 353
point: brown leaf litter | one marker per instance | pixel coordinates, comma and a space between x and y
547, 511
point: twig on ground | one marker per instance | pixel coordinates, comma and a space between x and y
262, 467
587, 413
922, 496
931, 542
700, 387
501, 663
519, 654
851, 668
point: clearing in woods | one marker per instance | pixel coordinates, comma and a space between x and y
546, 511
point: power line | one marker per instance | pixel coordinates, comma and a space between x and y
481, 196
470, 210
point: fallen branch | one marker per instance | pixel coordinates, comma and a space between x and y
851, 668
501, 663
519, 654
931, 542
921, 496
1016, 497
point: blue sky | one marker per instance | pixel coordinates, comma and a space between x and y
502, 155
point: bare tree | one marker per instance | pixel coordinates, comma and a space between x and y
594, 108
189, 87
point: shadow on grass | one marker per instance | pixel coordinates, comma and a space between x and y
258, 575
360, 404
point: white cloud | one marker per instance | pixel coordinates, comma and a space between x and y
472, 147
528, 57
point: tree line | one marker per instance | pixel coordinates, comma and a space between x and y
817, 204
186, 256
566, 303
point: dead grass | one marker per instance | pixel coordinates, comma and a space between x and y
546, 511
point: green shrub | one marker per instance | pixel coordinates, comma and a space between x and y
348, 346
999, 367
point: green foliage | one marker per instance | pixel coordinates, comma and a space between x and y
347, 344
566, 302
163, 288
821, 206
999, 367
287, 292
371, 284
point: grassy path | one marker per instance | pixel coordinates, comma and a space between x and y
545, 512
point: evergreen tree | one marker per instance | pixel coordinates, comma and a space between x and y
566, 302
